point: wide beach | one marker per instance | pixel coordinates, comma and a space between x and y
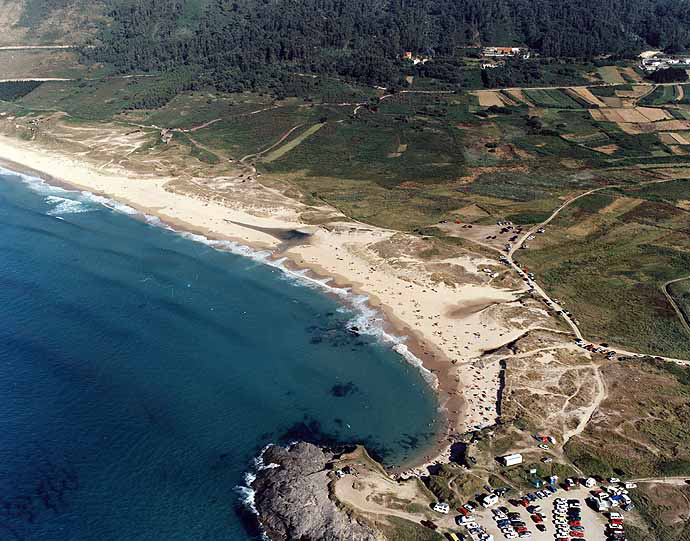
447, 326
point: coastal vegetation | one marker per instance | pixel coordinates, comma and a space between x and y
314, 104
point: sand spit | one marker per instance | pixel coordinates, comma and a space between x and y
449, 326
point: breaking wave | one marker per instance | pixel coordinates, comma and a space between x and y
247, 494
366, 320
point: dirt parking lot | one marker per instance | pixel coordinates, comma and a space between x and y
593, 522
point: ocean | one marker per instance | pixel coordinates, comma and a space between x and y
142, 370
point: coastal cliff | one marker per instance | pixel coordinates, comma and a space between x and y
292, 497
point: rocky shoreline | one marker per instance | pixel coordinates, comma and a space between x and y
293, 501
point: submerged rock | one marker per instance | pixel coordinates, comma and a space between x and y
293, 502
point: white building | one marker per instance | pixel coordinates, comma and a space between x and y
511, 460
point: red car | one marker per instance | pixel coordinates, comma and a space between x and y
576, 534
520, 529
537, 518
618, 521
463, 511
524, 502
574, 523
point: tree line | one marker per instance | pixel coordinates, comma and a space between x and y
240, 45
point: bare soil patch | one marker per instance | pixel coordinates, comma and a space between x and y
598, 115
611, 101
607, 149
621, 205
632, 74
519, 96
487, 98
679, 139
585, 94
654, 114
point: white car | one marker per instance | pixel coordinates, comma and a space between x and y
510, 535
441, 507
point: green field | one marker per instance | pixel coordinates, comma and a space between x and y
611, 75
609, 268
553, 98
279, 152
661, 96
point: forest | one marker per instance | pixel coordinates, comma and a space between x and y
239, 45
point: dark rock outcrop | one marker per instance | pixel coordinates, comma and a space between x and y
293, 501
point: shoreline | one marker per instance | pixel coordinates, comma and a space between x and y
451, 404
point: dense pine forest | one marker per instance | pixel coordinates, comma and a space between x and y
256, 44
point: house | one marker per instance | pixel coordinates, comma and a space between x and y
502, 51
511, 460
407, 55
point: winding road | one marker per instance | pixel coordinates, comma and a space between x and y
549, 301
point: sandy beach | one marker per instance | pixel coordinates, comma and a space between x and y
449, 326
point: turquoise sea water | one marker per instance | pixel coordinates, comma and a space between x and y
141, 371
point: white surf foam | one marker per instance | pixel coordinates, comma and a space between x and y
64, 205
367, 320
247, 494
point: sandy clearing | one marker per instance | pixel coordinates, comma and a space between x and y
487, 98
597, 115
678, 151
585, 94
